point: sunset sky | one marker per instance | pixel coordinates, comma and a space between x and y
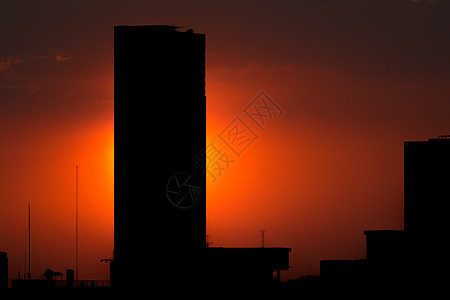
354, 79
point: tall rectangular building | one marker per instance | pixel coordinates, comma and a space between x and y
3, 270
426, 186
427, 194
160, 135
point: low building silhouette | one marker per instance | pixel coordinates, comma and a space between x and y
343, 274
53, 279
244, 266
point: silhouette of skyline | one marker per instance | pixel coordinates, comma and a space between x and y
330, 170
394, 258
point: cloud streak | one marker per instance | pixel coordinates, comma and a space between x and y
8, 63
29, 86
424, 1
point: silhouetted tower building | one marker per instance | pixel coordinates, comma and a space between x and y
427, 186
160, 125
427, 194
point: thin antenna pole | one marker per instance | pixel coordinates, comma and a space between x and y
262, 237
29, 239
76, 226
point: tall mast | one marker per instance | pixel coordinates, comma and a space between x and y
29, 244
262, 238
76, 226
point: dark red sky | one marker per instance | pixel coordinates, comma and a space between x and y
355, 79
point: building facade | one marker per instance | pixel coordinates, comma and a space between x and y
160, 128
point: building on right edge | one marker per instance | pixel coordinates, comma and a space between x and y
426, 197
426, 186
